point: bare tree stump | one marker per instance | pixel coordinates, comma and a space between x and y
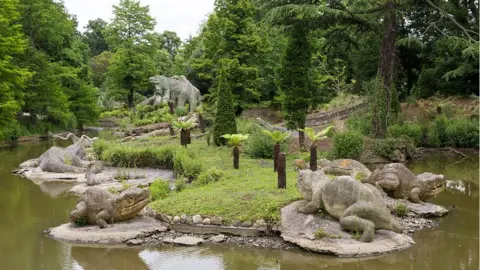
201, 123
170, 108
313, 157
236, 157
276, 152
282, 172
185, 138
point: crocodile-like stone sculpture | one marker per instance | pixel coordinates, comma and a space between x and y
69, 159
98, 206
176, 89
399, 182
357, 206
340, 167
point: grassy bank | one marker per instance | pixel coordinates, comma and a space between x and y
246, 194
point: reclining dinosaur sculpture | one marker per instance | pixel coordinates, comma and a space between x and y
357, 206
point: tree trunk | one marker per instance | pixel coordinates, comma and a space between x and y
185, 138
170, 129
313, 157
236, 157
276, 152
282, 172
386, 72
301, 136
201, 123
170, 108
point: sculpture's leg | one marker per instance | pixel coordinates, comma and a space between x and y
414, 195
79, 211
354, 223
101, 219
312, 206
388, 184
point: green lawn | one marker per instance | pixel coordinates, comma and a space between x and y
246, 194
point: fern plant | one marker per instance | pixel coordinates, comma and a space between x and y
314, 138
184, 127
277, 137
235, 140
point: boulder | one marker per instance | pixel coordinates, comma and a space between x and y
188, 241
197, 219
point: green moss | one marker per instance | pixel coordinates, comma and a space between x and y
401, 210
320, 233
360, 176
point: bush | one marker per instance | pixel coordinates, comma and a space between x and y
99, 146
210, 175
225, 113
115, 113
462, 132
347, 144
159, 189
187, 166
180, 184
246, 126
124, 156
360, 123
385, 147
411, 130
143, 122
401, 210
260, 145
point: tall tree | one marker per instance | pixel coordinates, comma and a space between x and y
225, 114
12, 77
130, 37
94, 36
168, 40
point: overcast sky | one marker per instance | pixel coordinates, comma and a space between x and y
181, 16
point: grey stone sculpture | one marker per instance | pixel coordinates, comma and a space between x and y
176, 89
357, 206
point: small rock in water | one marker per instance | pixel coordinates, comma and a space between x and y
217, 238
197, 219
259, 223
236, 223
188, 241
246, 224
206, 221
135, 242
183, 219
189, 220
216, 220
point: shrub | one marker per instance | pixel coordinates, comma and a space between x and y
401, 210
385, 147
246, 126
360, 123
115, 113
411, 130
143, 122
210, 175
260, 145
187, 166
440, 125
462, 132
180, 184
99, 146
225, 114
347, 144
159, 189
124, 156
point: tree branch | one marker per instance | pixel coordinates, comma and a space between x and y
368, 11
450, 17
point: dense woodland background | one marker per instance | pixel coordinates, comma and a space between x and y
292, 55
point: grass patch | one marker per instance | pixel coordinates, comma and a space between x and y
245, 194
401, 210
320, 233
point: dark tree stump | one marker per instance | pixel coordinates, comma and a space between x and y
170, 129
276, 152
170, 108
201, 123
236, 157
185, 138
313, 157
282, 172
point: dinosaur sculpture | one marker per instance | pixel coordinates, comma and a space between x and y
69, 159
399, 182
97, 206
92, 176
357, 206
176, 89
345, 167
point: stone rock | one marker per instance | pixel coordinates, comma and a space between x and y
236, 223
189, 220
197, 219
416, 209
349, 167
218, 238
162, 217
246, 224
176, 219
133, 242
206, 221
368, 157
216, 220
299, 229
260, 223
188, 241
183, 219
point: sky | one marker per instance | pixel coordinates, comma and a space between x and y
181, 16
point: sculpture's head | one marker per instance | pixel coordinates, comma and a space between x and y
130, 202
432, 184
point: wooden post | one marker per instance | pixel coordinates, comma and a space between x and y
313, 157
282, 172
276, 152
201, 123
236, 157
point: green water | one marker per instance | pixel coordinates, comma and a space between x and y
28, 209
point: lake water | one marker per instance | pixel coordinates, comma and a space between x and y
28, 209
